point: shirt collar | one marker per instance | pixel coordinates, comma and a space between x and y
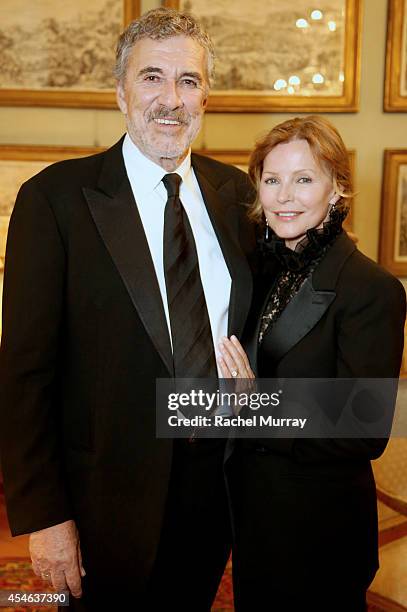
138, 165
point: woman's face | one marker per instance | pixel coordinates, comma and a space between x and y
295, 192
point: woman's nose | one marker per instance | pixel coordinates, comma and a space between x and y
284, 193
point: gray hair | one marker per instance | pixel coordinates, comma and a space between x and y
159, 24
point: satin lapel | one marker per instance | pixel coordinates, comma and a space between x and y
224, 214
298, 318
120, 227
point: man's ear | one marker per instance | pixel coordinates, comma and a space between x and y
206, 97
121, 97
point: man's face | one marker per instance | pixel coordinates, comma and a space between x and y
163, 96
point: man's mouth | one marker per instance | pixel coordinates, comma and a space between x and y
167, 121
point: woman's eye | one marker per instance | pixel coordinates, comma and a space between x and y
305, 179
271, 181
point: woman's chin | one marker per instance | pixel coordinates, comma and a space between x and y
290, 238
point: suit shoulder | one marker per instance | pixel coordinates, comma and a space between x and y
368, 276
73, 171
216, 167
219, 173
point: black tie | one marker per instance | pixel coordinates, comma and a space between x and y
193, 352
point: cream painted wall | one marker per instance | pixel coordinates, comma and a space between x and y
369, 131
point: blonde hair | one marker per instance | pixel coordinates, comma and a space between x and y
326, 146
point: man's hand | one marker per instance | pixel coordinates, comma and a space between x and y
56, 557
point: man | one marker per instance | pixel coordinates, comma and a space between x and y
91, 320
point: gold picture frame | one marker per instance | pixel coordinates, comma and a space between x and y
395, 85
62, 59
241, 58
393, 226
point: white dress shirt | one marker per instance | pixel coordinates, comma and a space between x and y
150, 194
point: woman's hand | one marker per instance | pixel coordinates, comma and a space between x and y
233, 360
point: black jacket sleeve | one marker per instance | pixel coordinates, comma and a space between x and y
32, 315
370, 338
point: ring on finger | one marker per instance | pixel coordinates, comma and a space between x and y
46, 575
234, 373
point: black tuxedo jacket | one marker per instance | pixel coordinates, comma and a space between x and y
84, 339
314, 499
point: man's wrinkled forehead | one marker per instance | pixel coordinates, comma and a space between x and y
175, 55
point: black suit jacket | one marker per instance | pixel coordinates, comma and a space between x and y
314, 499
84, 339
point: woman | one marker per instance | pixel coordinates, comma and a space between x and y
304, 510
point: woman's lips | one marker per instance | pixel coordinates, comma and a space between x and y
288, 215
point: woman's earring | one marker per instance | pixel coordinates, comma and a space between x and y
267, 232
333, 205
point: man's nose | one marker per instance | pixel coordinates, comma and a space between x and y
169, 94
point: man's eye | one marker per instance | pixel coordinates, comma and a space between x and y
189, 83
152, 78
305, 179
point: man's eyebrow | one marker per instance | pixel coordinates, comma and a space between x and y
157, 70
192, 75
149, 69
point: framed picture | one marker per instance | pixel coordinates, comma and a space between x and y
61, 56
282, 55
240, 159
393, 226
395, 86
17, 165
